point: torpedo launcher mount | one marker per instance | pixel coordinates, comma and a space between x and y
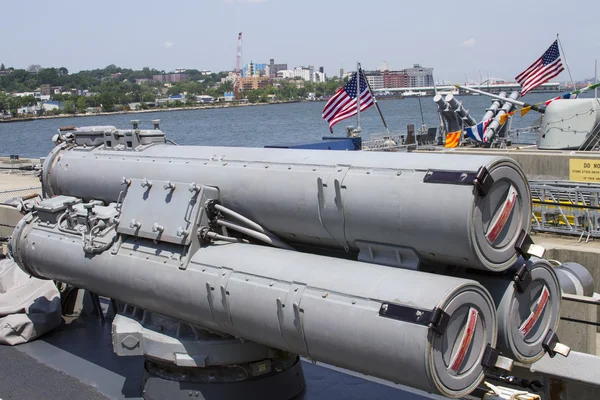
277, 253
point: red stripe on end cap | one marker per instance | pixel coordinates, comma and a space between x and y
465, 341
502, 216
536, 313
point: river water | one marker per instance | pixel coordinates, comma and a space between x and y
254, 126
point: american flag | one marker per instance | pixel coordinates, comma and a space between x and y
542, 70
343, 103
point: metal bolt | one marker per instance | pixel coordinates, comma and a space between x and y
125, 181
157, 228
181, 232
325, 294
135, 224
146, 183
419, 314
194, 187
384, 307
169, 186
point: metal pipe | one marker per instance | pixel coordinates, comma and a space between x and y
495, 126
216, 236
251, 224
448, 118
460, 110
273, 241
515, 102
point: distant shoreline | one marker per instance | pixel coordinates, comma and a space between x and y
190, 108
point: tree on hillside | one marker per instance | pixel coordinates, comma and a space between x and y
81, 104
63, 71
34, 68
2, 68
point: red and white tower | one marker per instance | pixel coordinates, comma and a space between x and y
238, 60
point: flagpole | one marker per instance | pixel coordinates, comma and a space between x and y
596, 78
377, 106
357, 97
566, 63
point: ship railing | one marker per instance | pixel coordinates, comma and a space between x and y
384, 143
592, 143
11, 195
566, 207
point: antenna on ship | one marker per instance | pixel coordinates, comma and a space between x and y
596, 78
566, 63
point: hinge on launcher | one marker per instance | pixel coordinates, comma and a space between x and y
483, 181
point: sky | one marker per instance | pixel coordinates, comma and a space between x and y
458, 38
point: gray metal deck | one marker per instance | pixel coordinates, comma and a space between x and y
77, 362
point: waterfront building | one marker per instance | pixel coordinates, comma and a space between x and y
45, 89
395, 79
51, 105
255, 69
375, 79
253, 82
275, 68
306, 73
171, 78
28, 110
384, 78
203, 98
419, 76
319, 77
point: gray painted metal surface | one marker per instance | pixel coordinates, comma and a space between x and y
495, 126
575, 279
525, 317
578, 367
526, 311
494, 107
327, 199
327, 309
572, 124
453, 123
460, 110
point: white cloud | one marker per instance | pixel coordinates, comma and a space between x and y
167, 44
469, 43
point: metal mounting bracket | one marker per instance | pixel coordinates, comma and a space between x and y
435, 319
